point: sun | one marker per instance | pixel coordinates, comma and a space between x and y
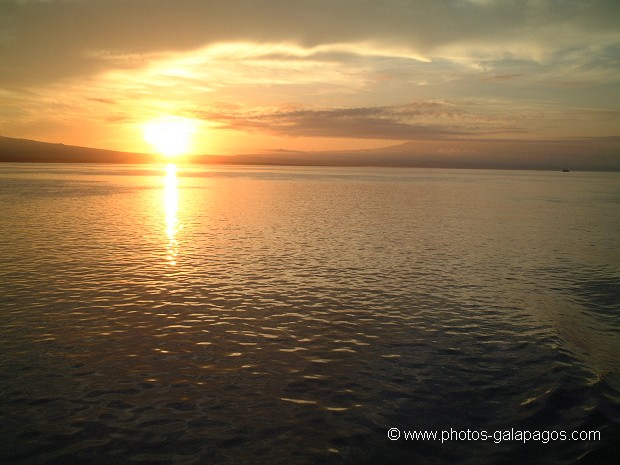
170, 135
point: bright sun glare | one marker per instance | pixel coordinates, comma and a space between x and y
170, 136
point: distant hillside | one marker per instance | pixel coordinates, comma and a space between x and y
511, 155
581, 155
22, 150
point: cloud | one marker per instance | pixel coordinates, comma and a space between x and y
313, 68
61, 38
424, 120
102, 100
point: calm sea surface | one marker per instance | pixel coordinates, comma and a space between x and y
270, 315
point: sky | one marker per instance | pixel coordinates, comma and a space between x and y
311, 75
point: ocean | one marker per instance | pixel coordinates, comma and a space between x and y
304, 315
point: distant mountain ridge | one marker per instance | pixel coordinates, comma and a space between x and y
603, 155
31, 151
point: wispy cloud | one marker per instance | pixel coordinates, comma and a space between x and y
415, 121
78, 34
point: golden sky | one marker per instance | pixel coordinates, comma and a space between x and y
309, 75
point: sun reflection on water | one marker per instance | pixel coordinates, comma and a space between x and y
171, 207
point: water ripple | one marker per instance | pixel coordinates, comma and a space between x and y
293, 316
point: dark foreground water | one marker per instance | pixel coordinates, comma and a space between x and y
294, 315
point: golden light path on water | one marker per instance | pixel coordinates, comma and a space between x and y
171, 207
